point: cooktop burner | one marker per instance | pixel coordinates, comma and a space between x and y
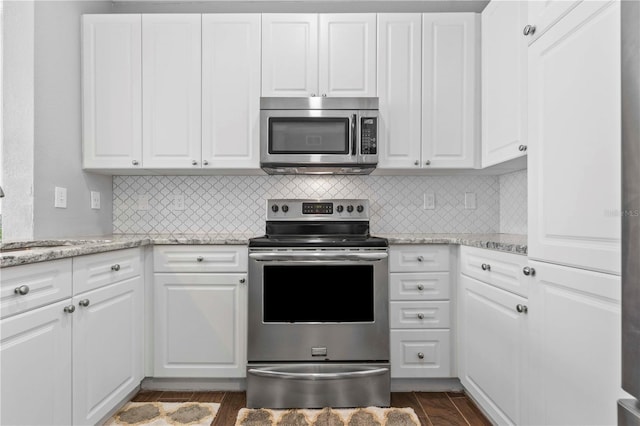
318, 223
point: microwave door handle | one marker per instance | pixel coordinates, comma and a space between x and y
354, 118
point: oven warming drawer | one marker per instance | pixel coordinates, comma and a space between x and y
318, 385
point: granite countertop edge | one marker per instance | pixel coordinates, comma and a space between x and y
45, 250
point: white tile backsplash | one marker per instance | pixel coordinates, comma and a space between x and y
513, 203
217, 204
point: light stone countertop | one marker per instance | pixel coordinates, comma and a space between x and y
24, 252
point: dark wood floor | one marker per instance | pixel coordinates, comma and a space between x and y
432, 408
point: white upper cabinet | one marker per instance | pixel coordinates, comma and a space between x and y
171, 72
112, 90
347, 65
289, 54
504, 82
319, 55
450, 119
399, 88
230, 91
574, 140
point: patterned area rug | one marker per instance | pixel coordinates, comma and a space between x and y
370, 416
165, 413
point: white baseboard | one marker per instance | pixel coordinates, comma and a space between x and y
193, 384
426, 385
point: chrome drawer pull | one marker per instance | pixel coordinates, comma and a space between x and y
243, 280
420, 287
528, 271
199, 258
115, 267
420, 258
84, 303
420, 355
70, 309
522, 309
420, 315
317, 376
22, 290
486, 267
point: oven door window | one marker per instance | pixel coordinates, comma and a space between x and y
318, 293
309, 135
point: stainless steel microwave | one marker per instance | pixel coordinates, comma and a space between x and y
318, 135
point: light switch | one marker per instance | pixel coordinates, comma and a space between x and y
429, 201
142, 202
60, 200
470, 200
95, 200
177, 202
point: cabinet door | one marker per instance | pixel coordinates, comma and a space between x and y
200, 325
493, 365
399, 89
347, 64
230, 91
289, 54
35, 368
108, 348
111, 91
574, 140
544, 14
575, 350
450, 69
504, 81
171, 71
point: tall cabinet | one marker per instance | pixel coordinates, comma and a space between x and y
428, 90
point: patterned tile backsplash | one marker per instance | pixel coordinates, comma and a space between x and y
221, 204
513, 203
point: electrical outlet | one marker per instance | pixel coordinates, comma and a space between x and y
429, 201
95, 200
142, 202
470, 200
177, 202
60, 200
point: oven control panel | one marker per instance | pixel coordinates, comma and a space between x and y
334, 209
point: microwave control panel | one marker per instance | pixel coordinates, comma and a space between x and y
368, 135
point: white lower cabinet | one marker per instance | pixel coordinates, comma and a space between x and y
419, 311
200, 323
75, 359
575, 346
492, 358
35, 360
107, 350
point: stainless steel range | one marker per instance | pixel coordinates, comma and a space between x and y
318, 308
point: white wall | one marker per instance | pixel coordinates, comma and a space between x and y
18, 120
42, 119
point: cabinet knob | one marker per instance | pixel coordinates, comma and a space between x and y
486, 267
243, 280
115, 267
420, 258
522, 309
416, 163
529, 30
194, 163
69, 309
313, 95
420, 355
22, 290
427, 163
420, 287
420, 315
522, 148
324, 95
84, 303
528, 271
199, 258
135, 162
205, 162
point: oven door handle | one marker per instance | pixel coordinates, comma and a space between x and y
318, 376
288, 257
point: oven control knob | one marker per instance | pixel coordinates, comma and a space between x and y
285, 208
339, 209
274, 208
349, 208
360, 208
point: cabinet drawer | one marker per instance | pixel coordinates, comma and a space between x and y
420, 314
420, 353
200, 258
419, 286
503, 270
416, 258
97, 270
43, 283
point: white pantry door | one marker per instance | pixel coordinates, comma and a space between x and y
171, 70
